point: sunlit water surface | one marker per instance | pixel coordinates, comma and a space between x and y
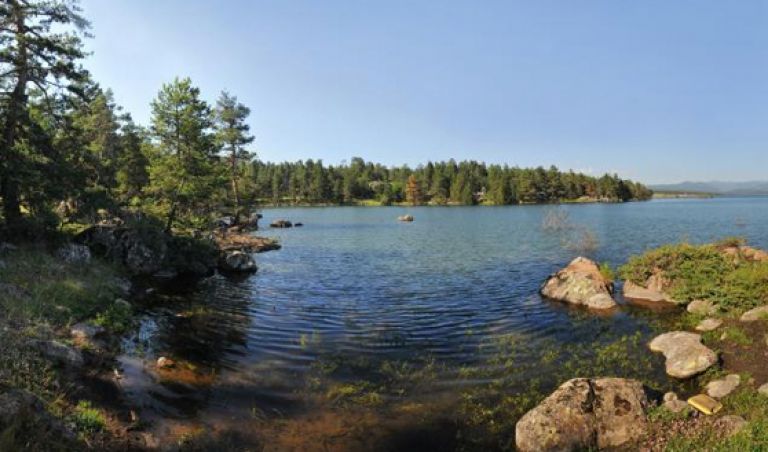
364, 332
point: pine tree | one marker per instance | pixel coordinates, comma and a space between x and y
184, 169
40, 45
413, 190
232, 135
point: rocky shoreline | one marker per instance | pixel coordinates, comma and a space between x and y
565, 421
82, 353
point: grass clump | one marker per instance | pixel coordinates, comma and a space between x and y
87, 419
607, 271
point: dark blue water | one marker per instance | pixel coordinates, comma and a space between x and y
354, 294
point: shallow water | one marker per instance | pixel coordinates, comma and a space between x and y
367, 333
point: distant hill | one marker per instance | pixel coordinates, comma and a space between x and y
749, 188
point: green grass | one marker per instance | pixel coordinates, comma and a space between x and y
736, 335
47, 290
40, 296
704, 272
607, 271
87, 419
744, 402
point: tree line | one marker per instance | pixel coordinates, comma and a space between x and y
69, 152
448, 182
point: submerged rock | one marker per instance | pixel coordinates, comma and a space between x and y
720, 388
686, 355
281, 224
709, 324
759, 313
580, 283
585, 414
165, 363
704, 307
237, 261
406, 218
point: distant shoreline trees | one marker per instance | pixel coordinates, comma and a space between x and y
69, 153
436, 183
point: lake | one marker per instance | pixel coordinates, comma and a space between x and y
367, 333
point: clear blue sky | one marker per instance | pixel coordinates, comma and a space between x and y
658, 90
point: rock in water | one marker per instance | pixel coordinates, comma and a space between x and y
281, 224
237, 261
406, 218
585, 414
651, 291
686, 355
580, 283
759, 313
720, 388
165, 363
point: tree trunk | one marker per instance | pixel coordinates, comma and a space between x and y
9, 186
235, 191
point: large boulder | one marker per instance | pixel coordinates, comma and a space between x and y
580, 283
149, 250
686, 355
237, 261
585, 414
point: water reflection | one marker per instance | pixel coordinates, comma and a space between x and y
362, 333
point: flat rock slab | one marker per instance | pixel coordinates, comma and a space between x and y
759, 313
686, 355
637, 292
580, 283
703, 307
709, 324
720, 388
585, 414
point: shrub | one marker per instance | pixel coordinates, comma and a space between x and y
703, 272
